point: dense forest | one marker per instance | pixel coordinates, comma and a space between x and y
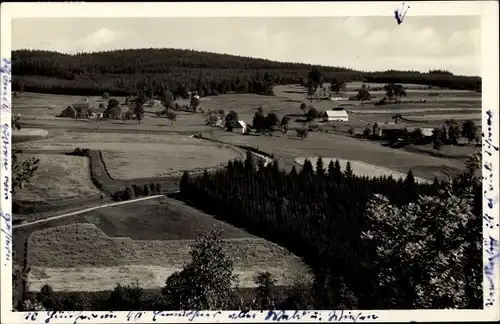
322, 215
151, 71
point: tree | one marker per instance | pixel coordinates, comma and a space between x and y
206, 282
320, 167
48, 298
114, 112
194, 103
172, 116
437, 143
22, 172
265, 285
15, 122
303, 107
363, 95
302, 132
420, 249
367, 131
316, 76
105, 95
271, 121
375, 130
351, 131
112, 103
338, 85
453, 131
469, 130
348, 170
312, 113
284, 122
139, 111
167, 98
125, 297
259, 121
231, 119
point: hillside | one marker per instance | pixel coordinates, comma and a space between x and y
124, 72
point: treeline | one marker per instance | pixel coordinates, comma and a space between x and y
128, 72
320, 216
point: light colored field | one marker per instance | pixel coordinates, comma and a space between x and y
58, 177
81, 257
29, 132
130, 156
360, 168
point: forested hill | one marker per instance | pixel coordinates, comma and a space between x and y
124, 72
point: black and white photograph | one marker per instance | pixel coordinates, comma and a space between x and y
249, 163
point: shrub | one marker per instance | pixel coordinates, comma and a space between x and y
146, 191
158, 188
137, 190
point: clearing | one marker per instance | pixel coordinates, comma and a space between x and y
81, 256
132, 156
359, 168
58, 177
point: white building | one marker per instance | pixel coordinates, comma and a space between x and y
240, 127
336, 115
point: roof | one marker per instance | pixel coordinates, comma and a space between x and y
97, 110
336, 113
240, 124
80, 105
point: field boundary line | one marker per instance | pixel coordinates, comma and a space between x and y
85, 210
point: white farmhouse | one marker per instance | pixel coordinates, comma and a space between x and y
336, 115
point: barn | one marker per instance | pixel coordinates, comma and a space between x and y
336, 115
76, 110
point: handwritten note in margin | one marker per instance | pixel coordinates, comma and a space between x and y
5, 166
491, 250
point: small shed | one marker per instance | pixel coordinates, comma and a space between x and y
336, 115
240, 127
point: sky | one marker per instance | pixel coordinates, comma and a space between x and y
374, 43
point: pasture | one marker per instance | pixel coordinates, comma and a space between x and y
58, 177
132, 156
148, 242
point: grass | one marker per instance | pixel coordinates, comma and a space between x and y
359, 168
81, 257
131, 156
58, 177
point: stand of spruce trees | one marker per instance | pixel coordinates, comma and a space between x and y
318, 216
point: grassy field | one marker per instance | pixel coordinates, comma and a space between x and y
359, 168
121, 244
130, 156
58, 177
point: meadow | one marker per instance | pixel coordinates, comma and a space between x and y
58, 177
119, 244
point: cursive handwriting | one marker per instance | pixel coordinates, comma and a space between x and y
201, 316
74, 316
332, 316
6, 80
7, 230
5, 145
190, 315
400, 13
489, 269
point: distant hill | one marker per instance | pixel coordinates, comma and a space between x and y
129, 72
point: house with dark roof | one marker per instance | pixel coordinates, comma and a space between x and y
77, 110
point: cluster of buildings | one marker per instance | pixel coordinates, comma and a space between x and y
94, 110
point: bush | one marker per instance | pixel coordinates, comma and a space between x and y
158, 188
146, 191
137, 190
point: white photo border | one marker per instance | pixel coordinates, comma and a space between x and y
488, 10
